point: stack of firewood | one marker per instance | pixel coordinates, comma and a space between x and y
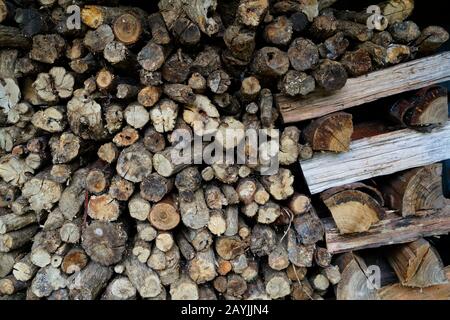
92, 204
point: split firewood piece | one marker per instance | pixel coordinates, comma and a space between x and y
154, 187
97, 181
427, 108
187, 181
127, 28
105, 80
158, 28
217, 223
47, 280
330, 75
134, 163
268, 213
11, 222
13, 135
47, 48
334, 47
153, 140
354, 284
299, 204
152, 56
85, 116
164, 215
240, 42
404, 32
195, 212
202, 267
354, 30
303, 54
415, 192
184, 289
232, 220
146, 232
20, 115
70, 232
280, 185
357, 63
10, 285
149, 96
139, 208
42, 192
16, 239
277, 283
103, 208
270, 62
136, 115
164, 115
218, 81
64, 148
8, 260
263, 240
323, 27
309, 227
113, 118
295, 83
10, 94
127, 137
330, 133
167, 163
431, 39
96, 40
279, 32
417, 264
121, 189
141, 250
279, 259
214, 197
89, 283
74, 195
289, 147
202, 116
24, 269
14, 170
104, 242
251, 12
54, 85
180, 93
353, 210
51, 119
177, 67
229, 248
186, 32
120, 288
126, 91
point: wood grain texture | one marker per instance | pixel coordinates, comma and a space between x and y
399, 292
408, 76
392, 230
377, 156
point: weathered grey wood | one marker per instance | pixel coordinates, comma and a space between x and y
377, 156
387, 82
393, 229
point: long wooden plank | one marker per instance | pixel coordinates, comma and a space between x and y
407, 76
393, 229
398, 292
377, 156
